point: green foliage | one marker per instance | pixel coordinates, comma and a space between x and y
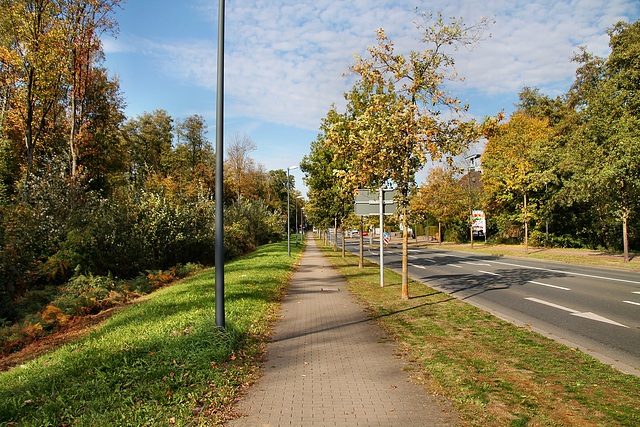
254, 220
585, 179
70, 233
161, 361
85, 294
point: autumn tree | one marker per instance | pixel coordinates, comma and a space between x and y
31, 56
407, 117
512, 159
101, 152
440, 196
83, 22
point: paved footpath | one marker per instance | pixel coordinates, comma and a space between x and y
328, 365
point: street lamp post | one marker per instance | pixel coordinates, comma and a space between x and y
289, 210
297, 197
219, 221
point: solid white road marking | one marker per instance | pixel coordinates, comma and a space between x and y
586, 315
475, 263
550, 304
488, 272
550, 286
631, 302
453, 265
565, 272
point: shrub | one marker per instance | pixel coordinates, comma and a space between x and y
89, 294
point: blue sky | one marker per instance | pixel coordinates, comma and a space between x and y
285, 59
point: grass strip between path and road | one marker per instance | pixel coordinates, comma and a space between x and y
495, 373
161, 361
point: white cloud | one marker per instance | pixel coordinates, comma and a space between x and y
285, 58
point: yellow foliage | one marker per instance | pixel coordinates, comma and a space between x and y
31, 330
53, 314
160, 278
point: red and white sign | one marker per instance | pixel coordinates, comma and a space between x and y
478, 222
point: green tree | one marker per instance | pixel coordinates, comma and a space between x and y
612, 117
326, 171
277, 192
148, 139
193, 154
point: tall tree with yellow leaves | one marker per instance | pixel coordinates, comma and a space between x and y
511, 161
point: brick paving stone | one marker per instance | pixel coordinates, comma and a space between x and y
328, 365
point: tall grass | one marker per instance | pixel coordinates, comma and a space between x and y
161, 361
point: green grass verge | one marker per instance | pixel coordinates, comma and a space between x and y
496, 374
161, 361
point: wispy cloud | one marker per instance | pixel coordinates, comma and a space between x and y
285, 58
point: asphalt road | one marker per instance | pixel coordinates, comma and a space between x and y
596, 310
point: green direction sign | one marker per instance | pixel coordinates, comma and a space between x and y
368, 202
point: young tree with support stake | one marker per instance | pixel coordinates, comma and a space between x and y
401, 101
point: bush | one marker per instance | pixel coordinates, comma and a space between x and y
89, 294
567, 241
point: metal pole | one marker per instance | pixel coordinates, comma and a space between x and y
381, 237
296, 220
288, 216
219, 221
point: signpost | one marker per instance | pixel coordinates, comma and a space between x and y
378, 203
479, 224
368, 203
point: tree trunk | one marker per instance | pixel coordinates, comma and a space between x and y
439, 233
526, 226
625, 236
471, 229
335, 236
405, 245
360, 232
5, 97
344, 253
72, 135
